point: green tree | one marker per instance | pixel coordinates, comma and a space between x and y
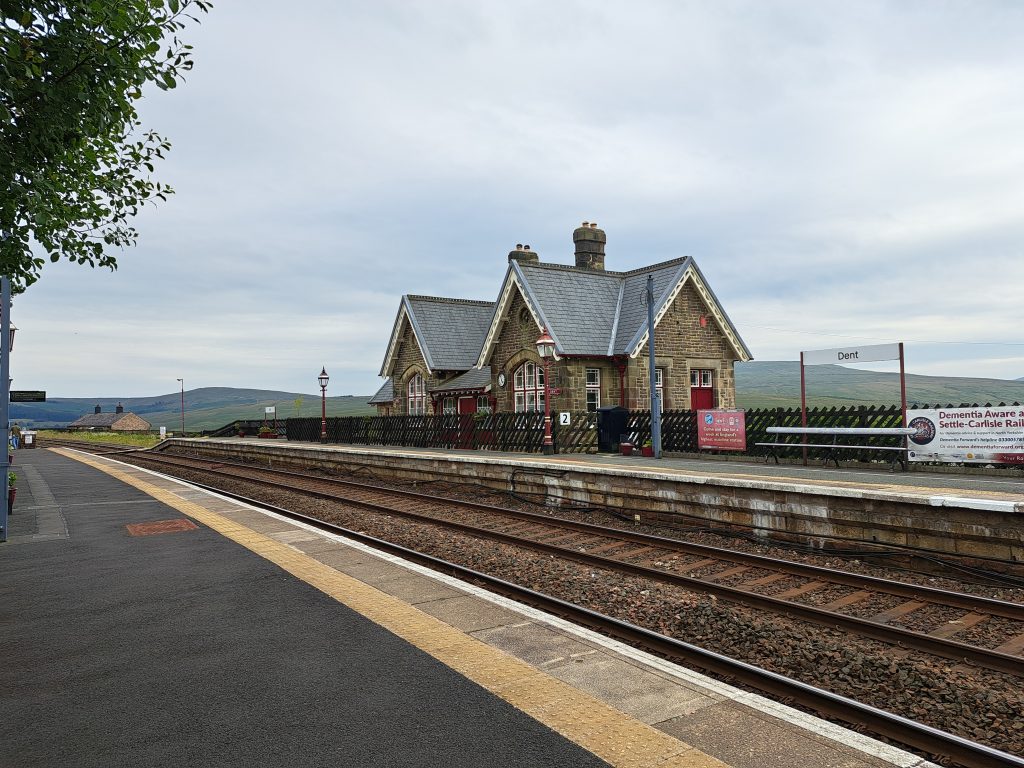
75, 161
298, 405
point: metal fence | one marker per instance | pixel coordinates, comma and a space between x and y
524, 432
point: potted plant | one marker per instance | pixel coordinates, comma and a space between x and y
647, 449
267, 433
11, 492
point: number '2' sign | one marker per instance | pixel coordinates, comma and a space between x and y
564, 418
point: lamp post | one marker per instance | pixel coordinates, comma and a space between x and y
546, 350
323, 378
182, 407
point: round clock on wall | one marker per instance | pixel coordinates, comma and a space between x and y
501, 379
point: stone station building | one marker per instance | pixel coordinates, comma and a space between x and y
118, 421
461, 356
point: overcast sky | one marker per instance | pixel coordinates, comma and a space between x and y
843, 173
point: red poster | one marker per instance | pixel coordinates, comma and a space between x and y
722, 429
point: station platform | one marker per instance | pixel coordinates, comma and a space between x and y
146, 622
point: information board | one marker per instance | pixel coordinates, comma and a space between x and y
722, 429
985, 435
27, 396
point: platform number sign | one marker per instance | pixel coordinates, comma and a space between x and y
564, 418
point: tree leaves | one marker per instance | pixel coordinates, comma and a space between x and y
74, 168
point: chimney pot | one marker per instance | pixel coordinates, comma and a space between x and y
119, 409
523, 255
98, 409
589, 242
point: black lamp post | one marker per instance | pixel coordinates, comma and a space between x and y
323, 378
546, 350
182, 407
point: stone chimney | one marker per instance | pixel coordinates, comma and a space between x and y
589, 242
98, 409
523, 255
119, 409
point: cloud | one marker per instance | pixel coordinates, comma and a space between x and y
838, 170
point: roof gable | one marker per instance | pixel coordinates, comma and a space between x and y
690, 273
611, 303
449, 332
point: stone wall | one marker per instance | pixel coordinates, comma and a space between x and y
681, 343
408, 362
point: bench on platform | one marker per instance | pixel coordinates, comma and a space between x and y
899, 454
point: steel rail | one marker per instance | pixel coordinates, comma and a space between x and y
933, 741
943, 597
949, 649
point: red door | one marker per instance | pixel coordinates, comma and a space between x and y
702, 389
467, 407
701, 398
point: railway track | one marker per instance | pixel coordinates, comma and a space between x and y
693, 567
945, 747
90, 446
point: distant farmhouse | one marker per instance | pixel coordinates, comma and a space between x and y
459, 356
118, 421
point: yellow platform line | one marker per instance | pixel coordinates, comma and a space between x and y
611, 735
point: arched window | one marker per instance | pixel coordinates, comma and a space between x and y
528, 387
417, 396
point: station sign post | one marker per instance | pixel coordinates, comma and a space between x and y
844, 355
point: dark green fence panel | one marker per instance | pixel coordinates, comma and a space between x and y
524, 432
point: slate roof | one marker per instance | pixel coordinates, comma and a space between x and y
474, 378
386, 393
100, 419
450, 332
601, 313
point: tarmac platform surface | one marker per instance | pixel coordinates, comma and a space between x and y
224, 635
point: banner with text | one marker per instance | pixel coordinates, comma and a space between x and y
971, 435
722, 429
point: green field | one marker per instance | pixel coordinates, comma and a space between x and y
112, 438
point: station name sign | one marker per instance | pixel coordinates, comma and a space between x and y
27, 396
869, 354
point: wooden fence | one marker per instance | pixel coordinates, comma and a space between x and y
524, 432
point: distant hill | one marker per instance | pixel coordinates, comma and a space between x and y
759, 384
205, 408
763, 384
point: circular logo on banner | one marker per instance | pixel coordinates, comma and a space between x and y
709, 418
925, 430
